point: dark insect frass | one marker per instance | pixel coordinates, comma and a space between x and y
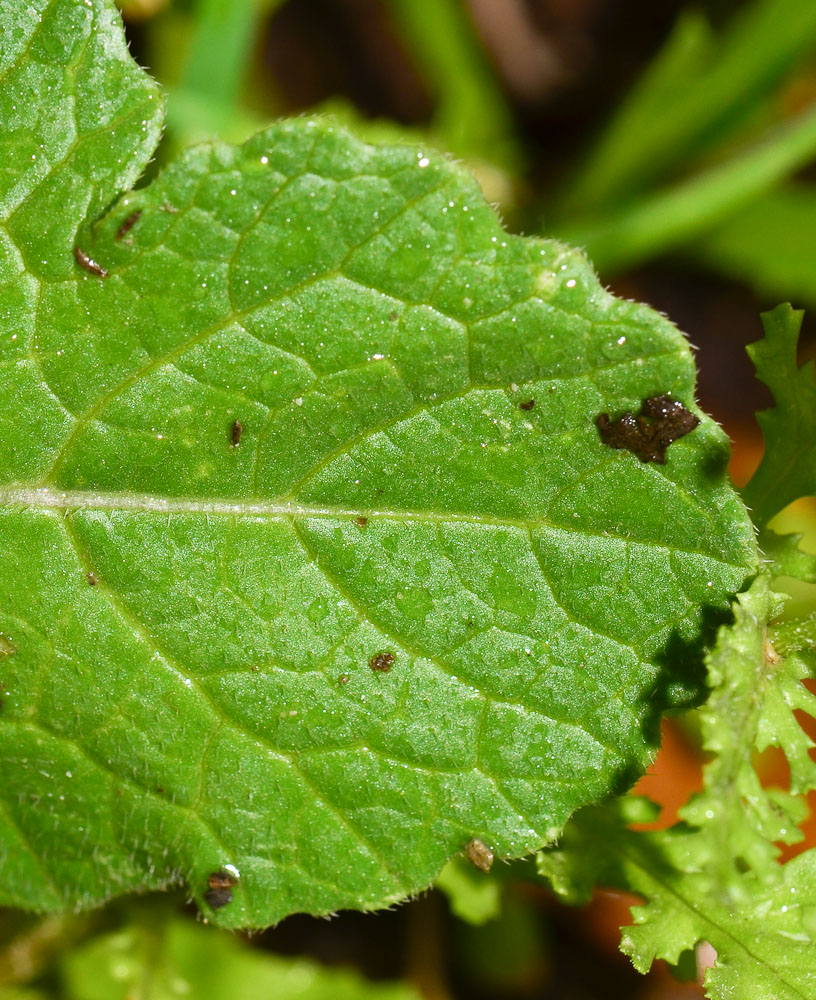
381, 662
661, 420
219, 892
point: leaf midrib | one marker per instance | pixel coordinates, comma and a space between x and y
47, 499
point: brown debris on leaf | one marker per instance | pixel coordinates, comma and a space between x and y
128, 224
661, 421
382, 662
479, 854
219, 892
88, 263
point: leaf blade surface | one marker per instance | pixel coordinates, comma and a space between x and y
196, 609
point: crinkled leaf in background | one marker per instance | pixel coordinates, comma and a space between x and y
784, 556
715, 876
764, 938
322, 408
788, 467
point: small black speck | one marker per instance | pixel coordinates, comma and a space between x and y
255, 668
528, 405
343, 678
236, 431
92, 579
382, 662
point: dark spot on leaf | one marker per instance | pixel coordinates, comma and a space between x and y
479, 854
128, 224
219, 892
361, 521
393, 317
236, 432
160, 790
343, 678
382, 662
470, 623
90, 265
255, 668
661, 421
218, 897
92, 578
528, 405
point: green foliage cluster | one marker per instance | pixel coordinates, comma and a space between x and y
316, 572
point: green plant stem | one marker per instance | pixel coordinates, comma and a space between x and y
206, 100
472, 116
670, 218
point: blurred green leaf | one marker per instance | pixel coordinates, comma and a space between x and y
474, 896
784, 557
697, 92
177, 959
205, 100
670, 218
769, 243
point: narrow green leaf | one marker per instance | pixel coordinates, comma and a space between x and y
620, 162
670, 217
472, 116
314, 562
788, 467
696, 92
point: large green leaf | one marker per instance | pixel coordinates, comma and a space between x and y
322, 416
